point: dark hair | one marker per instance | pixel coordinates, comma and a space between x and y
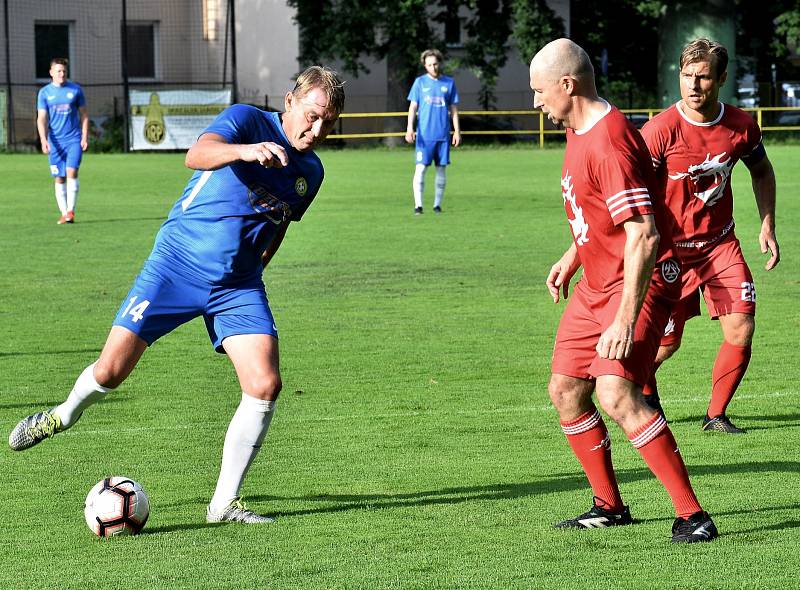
703, 49
60, 61
430, 52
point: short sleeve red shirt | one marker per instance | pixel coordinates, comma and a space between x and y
693, 163
607, 179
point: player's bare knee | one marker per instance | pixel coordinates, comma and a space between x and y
109, 374
266, 386
666, 351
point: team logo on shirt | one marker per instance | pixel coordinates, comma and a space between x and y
710, 177
70, 95
444, 89
577, 222
670, 326
301, 186
670, 270
269, 205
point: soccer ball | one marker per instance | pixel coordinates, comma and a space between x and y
116, 506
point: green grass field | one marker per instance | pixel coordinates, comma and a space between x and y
414, 444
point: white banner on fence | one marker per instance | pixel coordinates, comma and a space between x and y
172, 119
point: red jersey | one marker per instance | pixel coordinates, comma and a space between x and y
607, 179
693, 163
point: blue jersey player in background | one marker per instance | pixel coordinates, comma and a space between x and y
433, 98
63, 124
255, 173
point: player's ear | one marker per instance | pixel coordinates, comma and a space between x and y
288, 101
567, 85
723, 77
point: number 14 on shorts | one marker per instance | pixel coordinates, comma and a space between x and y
136, 309
748, 291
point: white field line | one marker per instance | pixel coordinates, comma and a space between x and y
404, 414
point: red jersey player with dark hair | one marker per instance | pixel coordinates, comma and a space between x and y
610, 331
694, 146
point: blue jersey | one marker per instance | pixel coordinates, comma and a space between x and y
226, 218
434, 98
62, 104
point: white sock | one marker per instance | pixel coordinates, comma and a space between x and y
72, 193
441, 181
61, 197
243, 440
418, 184
85, 392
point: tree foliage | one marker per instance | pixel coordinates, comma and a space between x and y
353, 31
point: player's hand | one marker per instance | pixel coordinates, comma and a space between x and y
45, 147
558, 278
456, 138
411, 136
616, 342
84, 144
769, 243
268, 154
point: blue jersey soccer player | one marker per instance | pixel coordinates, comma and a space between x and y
433, 98
63, 124
255, 173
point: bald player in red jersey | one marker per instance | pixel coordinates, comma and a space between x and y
694, 146
609, 334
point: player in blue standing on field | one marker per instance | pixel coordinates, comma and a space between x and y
433, 98
63, 124
255, 173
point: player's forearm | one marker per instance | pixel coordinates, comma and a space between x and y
641, 246
412, 115
41, 126
211, 154
456, 123
266, 257
764, 190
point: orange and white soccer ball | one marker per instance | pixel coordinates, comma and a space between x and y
116, 506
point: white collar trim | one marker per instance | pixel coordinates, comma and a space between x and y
697, 123
596, 121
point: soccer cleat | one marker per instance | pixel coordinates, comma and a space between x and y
62, 220
698, 528
417, 210
236, 511
70, 217
654, 402
34, 429
721, 424
597, 518
437, 209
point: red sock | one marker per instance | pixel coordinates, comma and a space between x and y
658, 448
729, 368
588, 437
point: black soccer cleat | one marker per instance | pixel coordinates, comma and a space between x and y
437, 209
721, 424
597, 518
417, 210
654, 403
698, 528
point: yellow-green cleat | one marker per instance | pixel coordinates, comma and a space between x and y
34, 429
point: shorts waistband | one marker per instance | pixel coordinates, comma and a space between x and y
702, 243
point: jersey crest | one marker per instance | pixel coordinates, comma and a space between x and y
710, 177
580, 229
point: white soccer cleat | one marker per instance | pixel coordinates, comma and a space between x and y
236, 511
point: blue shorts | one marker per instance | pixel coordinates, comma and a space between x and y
160, 301
432, 151
63, 156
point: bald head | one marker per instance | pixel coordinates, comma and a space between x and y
563, 57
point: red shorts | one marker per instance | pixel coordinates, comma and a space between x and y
589, 313
725, 280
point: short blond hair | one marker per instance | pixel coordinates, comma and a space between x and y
430, 52
326, 80
703, 49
